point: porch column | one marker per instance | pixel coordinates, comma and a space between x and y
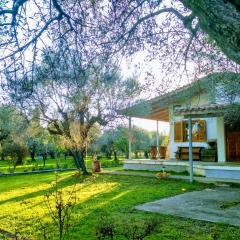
158, 155
221, 147
190, 149
129, 138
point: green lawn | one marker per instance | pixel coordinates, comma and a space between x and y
23, 208
29, 166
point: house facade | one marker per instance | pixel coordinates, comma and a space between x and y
206, 103
209, 127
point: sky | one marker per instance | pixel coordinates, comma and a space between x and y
151, 125
138, 67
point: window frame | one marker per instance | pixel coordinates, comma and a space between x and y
202, 137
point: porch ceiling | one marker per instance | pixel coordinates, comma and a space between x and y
161, 114
147, 111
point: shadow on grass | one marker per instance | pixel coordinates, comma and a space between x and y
116, 195
66, 182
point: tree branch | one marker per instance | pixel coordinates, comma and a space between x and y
20, 49
14, 11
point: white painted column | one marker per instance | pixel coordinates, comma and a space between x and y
158, 155
130, 138
172, 144
221, 145
190, 149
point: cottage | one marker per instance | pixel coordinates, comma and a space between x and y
203, 119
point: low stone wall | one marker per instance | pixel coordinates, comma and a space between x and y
152, 165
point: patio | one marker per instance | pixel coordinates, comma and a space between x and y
214, 205
207, 169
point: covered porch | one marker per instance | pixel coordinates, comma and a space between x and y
215, 169
149, 110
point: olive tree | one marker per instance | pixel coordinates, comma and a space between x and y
178, 31
115, 140
72, 99
13, 127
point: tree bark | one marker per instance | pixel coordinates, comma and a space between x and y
115, 155
78, 156
220, 19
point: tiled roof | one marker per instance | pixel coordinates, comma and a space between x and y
202, 109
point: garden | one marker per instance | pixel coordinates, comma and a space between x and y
68, 72
98, 202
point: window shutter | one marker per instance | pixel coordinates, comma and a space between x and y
202, 132
178, 132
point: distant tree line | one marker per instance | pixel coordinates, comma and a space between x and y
115, 142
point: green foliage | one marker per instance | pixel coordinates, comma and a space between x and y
14, 153
39, 141
12, 124
225, 88
116, 140
132, 229
74, 100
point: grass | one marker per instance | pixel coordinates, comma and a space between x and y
29, 166
229, 204
38, 165
22, 205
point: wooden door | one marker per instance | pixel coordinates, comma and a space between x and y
237, 139
233, 146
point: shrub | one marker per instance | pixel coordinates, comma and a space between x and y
65, 166
14, 153
132, 229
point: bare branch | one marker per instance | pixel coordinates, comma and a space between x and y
35, 38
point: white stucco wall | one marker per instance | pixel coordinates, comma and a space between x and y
211, 132
214, 130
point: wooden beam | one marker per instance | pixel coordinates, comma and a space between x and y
160, 115
157, 113
156, 110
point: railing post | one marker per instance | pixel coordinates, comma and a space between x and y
190, 149
129, 138
158, 155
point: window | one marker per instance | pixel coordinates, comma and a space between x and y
181, 131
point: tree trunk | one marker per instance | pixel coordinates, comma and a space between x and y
108, 154
79, 161
146, 154
115, 155
44, 159
32, 156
